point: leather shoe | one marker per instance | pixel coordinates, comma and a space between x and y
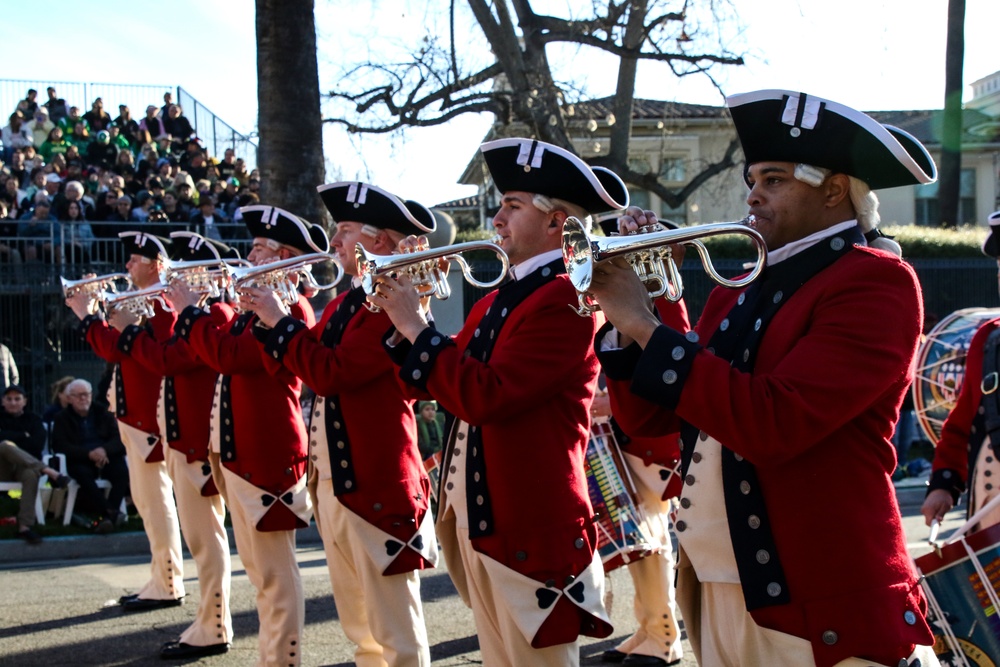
30, 536
60, 482
614, 656
637, 660
144, 604
131, 596
182, 651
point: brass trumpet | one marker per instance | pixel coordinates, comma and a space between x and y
650, 257
95, 285
211, 278
277, 276
423, 269
140, 302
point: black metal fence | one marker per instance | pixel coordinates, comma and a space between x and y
40, 330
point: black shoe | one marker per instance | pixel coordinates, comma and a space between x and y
104, 526
613, 656
132, 596
60, 482
30, 536
143, 604
182, 651
637, 660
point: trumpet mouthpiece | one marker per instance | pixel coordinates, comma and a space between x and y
750, 221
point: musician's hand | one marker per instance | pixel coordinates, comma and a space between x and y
120, 318
265, 303
180, 295
412, 243
936, 505
601, 406
398, 298
624, 300
82, 304
634, 218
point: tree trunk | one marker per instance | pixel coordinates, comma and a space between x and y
951, 139
290, 157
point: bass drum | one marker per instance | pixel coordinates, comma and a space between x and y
941, 367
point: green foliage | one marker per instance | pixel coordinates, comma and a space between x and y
919, 242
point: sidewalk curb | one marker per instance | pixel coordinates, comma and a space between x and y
82, 547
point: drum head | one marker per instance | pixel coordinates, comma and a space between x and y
941, 367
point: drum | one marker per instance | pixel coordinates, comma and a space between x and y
962, 583
621, 535
941, 367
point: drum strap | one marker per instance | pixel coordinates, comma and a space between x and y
737, 340
991, 397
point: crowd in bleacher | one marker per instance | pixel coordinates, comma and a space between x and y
68, 179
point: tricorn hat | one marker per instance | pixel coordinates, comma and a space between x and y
785, 126
145, 245
527, 165
277, 224
192, 247
353, 201
991, 246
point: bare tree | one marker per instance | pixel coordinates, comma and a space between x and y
290, 157
951, 136
518, 86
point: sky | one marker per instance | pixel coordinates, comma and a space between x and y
867, 54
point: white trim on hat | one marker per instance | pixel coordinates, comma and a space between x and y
141, 238
994, 219
357, 194
271, 214
196, 242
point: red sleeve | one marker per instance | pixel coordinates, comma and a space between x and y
173, 357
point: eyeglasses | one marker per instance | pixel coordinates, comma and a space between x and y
80, 394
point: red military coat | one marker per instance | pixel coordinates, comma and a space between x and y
389, 488
268, 435
140, 387
952, 457
531, 400
189, 385
814, 417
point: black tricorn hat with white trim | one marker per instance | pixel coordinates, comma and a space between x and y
527, 165
277, 224
991, 246
354, 201
145, 245
786, 126
192, 247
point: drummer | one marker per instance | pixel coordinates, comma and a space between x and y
791, 545
966, 457
515, 521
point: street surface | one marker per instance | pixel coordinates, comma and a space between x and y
65, 612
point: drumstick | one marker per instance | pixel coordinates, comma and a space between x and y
935, 527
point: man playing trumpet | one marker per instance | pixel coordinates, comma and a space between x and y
133, 398
515, 520
370, 493
257, 438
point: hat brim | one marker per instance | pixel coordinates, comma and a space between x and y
527, 165
145, 245
193, 247
277, 224
354, 201
786, 126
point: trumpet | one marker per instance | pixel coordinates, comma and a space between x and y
423, 269
95, 285
650, 257
140, 302
277, 276
211, 278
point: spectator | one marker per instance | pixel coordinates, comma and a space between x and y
156, 188
73, 192
227, 167
253, 185
32, 160
178, 126
123, 210
17, 168
105, 205
57, 165
199, 166
56, 106
228, 194
97, 118
102, 153
37, 229
88, 436
29, 103
144, 203
125, 163
184, 187
20, 426
80, 137
8, 231
168, 101
151, 127
8, 367
78, 236
430, 429
37, 184
129, 127
206, 221
240, 171
68, 122
40, 126
55, 144
10, 193
176, 212
59, 399
148, 158
15, 135
118, 140
166, 169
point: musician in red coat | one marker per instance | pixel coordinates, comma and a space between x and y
514, 519
183, 417
966, 455
258, 442
133, 396
654, 466
786, 394
370, 493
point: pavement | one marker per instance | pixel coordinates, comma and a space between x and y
60, 604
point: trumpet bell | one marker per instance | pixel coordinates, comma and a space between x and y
578, 255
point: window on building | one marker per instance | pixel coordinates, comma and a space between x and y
638, 198
672, 170
928, 208
677, 215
